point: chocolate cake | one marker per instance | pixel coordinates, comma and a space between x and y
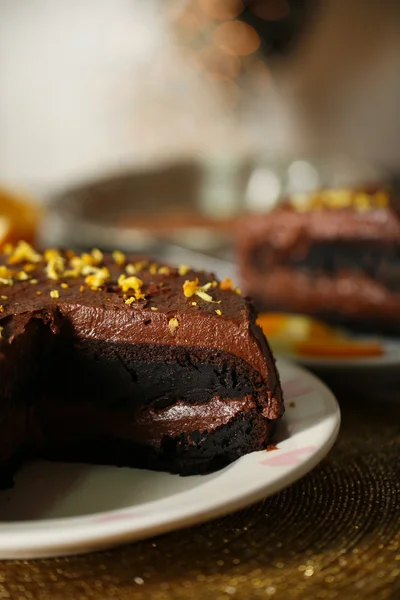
333, 254
118, 360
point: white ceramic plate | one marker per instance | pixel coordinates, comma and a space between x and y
58, 509
390, 358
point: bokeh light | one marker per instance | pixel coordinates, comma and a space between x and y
221, 9
270, 10
236, 38
218, 63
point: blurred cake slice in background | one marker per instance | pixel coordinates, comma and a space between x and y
18, 218
333, 254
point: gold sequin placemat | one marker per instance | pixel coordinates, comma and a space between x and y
333, 534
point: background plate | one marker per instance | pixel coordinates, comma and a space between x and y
390, 358
58, 509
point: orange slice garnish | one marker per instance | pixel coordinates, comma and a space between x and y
305, 336
335, 348
18, 218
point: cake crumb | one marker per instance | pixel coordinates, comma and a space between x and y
194, 303
4, 297
34, 281
154, 308
183, 270
1, 308
64, 286
119, 257
82, 288
271, 447
130, 300
238, 291
219, 313
38, 293
173, 324
54, 294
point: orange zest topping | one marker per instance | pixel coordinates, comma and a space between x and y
173, 325
119, 257
6, 276
22, 276
55, 264
131, 283
183, 270
226, 285
98, 278
192, 288
130, 269
24, 252
310, 337
164, 271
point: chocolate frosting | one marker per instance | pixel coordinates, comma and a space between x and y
356, 295
104, 315
284, 226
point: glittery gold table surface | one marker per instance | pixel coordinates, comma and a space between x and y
333, 534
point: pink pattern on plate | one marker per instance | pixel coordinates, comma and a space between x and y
287, 459
120, 516
296, 387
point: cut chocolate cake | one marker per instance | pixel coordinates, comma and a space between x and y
334, 254
118, 360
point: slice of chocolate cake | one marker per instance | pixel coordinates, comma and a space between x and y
334, 254
118, 360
